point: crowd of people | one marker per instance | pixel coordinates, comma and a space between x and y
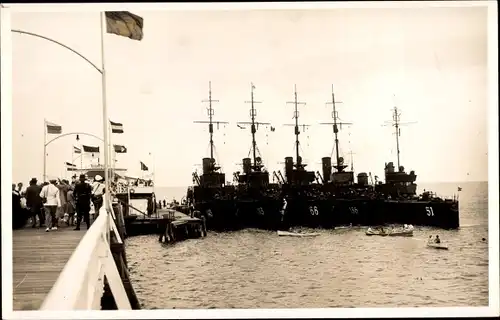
57, 201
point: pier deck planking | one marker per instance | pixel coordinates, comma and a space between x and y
38, 259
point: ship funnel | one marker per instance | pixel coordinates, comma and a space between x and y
389, 168
327, 168
247, 165
363, 179
206, 165
288, 168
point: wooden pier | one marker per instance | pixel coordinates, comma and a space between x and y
170, 224
38, 259
39, 256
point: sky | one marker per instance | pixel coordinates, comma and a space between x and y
429, 62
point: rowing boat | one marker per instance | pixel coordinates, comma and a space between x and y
295, 234
438, 246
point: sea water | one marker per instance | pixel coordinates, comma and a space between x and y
339, 268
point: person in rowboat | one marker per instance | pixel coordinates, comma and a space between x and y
437, 240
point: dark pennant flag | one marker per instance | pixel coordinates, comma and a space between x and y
120, 149
90, 149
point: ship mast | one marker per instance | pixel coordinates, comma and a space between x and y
352, 161
253, 129
396, 118
297, 131
339, 163
211, 113
396, 123
254, 125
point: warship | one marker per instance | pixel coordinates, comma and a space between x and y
258, 202
361, 202
394, 201
402, 204
210, 196
350, 201
303, 200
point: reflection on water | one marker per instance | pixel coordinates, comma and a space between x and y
339, 268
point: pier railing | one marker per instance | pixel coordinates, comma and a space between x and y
80, 285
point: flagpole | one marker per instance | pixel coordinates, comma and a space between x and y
111, 153
104, 115
109, 150
81, 158
44, 149
72, 162
113, 164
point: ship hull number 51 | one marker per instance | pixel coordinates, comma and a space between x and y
430, 211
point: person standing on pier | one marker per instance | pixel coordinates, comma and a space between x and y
82, 195
20, 187
97, 194
71, 206
17, 218
34, 202
52, 200
63, 194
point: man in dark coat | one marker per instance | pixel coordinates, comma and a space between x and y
18, 218
82, 195
34, 202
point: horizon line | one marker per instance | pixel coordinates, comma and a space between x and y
449, 182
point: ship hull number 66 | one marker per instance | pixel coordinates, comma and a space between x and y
313, 210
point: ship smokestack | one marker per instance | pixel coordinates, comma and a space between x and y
206, 165
362, 179
247, 165
327, 168
288, 168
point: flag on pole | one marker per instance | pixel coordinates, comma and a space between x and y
90, 149
125, 24
70, 166
144, 167
116, 127
459, 189
53, 128
120, 149
77, 150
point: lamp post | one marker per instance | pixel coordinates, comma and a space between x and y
154, 182
104, 108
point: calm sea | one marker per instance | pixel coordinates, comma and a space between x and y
339, 268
